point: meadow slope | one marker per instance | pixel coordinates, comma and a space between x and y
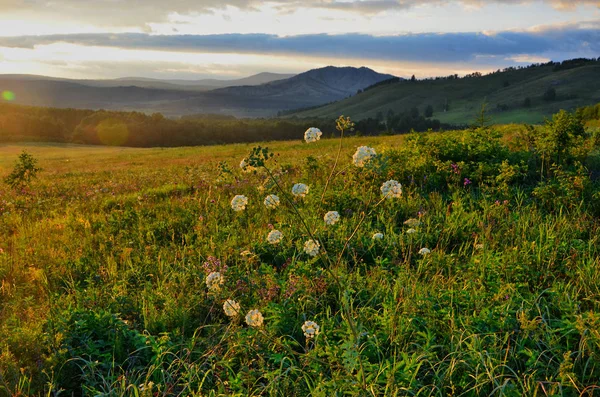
504, 92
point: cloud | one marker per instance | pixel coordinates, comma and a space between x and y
128, 13
546, 41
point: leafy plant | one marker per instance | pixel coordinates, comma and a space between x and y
24, 172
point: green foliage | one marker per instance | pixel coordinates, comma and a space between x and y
24, 172
482, 118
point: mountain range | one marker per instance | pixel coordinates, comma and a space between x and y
261, 95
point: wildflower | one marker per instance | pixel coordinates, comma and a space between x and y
310, 329
467, 182
363, 155
312, 135
378, 236
424, 251
311, 247
412, 222
245, 166
331, 218
231, 308
478, 246
213, 264
411, 231
254, 318
271, 201
239, 202
248, 256
214, 281
391, 189
274, 237
300, 190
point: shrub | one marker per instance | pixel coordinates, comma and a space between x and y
25, 170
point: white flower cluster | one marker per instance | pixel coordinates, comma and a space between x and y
300, 190
378, 236
271, 201
391, 189
274, 237
424, 251
331, 218
363, 155
411, 231
311, 247
239, 202
310, 329
312, 135
254, 318
214, 281
231, 308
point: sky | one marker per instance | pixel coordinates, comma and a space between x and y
228, 39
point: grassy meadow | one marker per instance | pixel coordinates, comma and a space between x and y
119, 267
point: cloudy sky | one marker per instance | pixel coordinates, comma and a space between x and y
235, 38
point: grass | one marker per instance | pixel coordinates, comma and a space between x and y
105, 257
575, 87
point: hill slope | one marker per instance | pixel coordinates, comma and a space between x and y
311, 88
164, 84
505, 93
315, 87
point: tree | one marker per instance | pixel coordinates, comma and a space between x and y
429, 111
550, 94
558, 138
482, 118
413, 78
414, 112
447, 105
25, 170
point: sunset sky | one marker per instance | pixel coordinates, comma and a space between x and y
235, 38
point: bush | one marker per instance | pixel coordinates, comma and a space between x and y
25, 170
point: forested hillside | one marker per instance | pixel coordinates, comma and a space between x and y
514, 95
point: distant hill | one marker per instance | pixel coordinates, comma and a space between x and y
67, 94
315, 87
513, 95
165, 84
311, 88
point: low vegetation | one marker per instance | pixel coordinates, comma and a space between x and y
462, 263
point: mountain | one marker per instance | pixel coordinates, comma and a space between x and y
164, 84
67, 94
513, 95
311, 88
178, 97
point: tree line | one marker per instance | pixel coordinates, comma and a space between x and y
101, 127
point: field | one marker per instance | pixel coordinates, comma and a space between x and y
481, 277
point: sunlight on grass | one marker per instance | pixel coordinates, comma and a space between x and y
463, 263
